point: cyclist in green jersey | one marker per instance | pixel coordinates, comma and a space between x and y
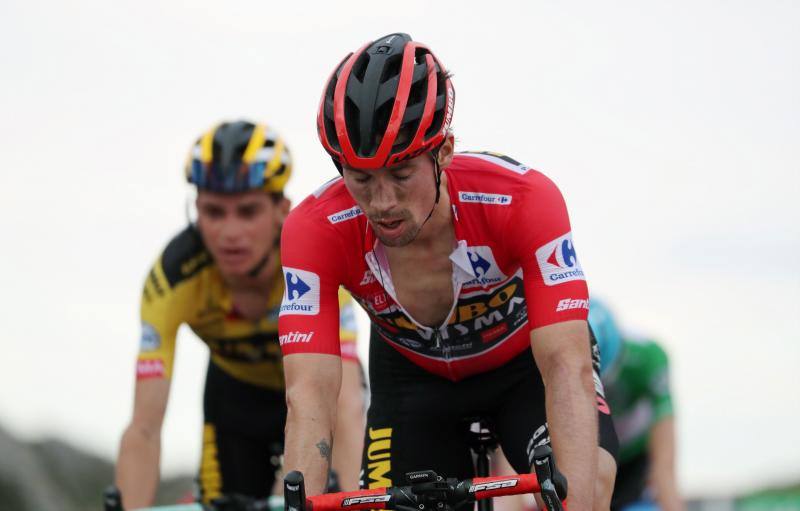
221, 275
635, 373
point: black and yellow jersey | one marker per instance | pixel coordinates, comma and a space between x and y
185, 286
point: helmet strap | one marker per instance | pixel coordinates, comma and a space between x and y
437, 178
253, 273
276, 245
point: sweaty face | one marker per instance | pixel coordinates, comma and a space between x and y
239, 229
396, 199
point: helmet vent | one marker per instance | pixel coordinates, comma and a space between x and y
436, 125
330, 132
360, 66
391, 67
382, 115
352, 123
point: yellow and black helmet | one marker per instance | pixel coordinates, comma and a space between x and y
239, 156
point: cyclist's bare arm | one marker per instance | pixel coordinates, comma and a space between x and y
350, 423
312, 390
562, 354
137, 471
662, 456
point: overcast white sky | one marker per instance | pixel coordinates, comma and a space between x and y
672, 129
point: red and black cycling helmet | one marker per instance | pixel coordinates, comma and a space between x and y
389, 101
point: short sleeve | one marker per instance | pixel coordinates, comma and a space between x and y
160, 317
540, 237
313, 263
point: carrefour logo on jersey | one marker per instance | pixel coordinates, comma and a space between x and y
485, 198
558, 261
301, 294
346, 214
484, 266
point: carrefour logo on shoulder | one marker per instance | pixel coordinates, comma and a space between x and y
485, 198
301, 293
558, 261
343, 215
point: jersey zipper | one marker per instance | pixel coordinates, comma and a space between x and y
438, 340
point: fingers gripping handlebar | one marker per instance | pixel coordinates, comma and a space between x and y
428, 491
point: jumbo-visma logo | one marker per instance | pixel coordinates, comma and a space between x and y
301, 294
558, 261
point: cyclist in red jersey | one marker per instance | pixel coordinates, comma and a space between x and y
465, 265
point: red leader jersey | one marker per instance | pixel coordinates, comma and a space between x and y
514, 269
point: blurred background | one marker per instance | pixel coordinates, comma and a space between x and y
672, 129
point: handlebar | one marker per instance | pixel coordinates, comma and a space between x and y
429, 491
426, 490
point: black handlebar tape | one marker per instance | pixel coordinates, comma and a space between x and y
294, 492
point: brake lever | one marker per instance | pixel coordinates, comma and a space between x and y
294, 492
546, 473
